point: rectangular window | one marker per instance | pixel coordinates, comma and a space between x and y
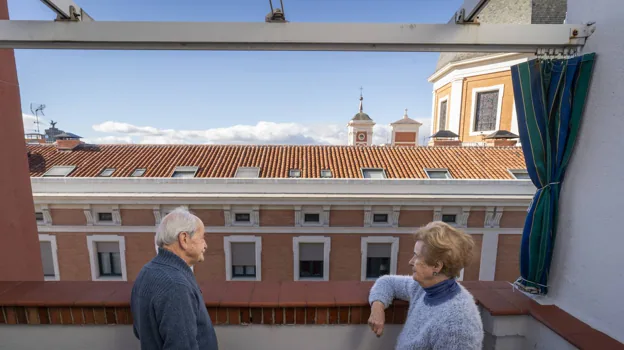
373, 174
59, 171
486, 111
438, 174
380, 218
107, 172
138, 172
243, 259
294, 173
311, 218
242, 217
520, 174
378, 259
185, 171
39, 216
105, 217
47, 258
442, 115
109, 259
311, 260
247, 173
326, 174
449, 218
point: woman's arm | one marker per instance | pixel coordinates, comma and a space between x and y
387, 288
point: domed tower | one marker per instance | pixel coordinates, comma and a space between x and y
361, 128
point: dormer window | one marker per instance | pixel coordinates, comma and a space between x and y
296, 173
520, 174
373, 173
438, 174
185, 171
326, 174
59, 171
138, 172
247, 172
107, 172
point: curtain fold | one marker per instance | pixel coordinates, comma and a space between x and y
550, 96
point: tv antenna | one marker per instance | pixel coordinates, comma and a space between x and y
38, 109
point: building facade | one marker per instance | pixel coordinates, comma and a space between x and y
472, 92
275, 213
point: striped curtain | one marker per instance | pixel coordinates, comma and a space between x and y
550, 96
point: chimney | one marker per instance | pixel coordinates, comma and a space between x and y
502, 138
67, 141
446, 138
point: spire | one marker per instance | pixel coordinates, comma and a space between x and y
361, 100
405, 115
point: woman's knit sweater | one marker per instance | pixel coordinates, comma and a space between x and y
442, 317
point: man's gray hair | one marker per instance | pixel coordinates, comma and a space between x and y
179, 220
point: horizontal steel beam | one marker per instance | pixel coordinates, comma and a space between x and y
289, 36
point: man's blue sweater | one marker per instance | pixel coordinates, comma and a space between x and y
168, 308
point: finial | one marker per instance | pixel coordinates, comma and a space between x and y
405, 115
361, 100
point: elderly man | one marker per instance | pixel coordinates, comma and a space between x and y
167, 305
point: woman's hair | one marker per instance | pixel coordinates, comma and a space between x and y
445, 244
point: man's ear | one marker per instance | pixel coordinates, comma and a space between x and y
183, 240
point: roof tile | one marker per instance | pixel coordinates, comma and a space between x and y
221, 161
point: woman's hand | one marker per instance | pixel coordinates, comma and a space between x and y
377, 318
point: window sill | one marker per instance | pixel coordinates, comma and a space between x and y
245, 279
109, 278
50, 278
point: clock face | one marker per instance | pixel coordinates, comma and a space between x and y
361, 136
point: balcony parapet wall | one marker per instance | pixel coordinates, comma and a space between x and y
267, 303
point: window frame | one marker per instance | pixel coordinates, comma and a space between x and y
511, 172
227, 247
138, 169
54, 247
193, 169
473, 110
394, 253
71, 167
364, 170
443, 99
247, 168
294, 170
92, 241
448, 173
326, 251
112, 170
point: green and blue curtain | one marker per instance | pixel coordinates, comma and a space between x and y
550, 98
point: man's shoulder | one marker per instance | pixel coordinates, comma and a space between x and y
156, 276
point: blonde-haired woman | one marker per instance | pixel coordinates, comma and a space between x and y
442, 313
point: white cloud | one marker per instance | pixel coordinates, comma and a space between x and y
262, 133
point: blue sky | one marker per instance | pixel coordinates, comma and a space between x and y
228, 97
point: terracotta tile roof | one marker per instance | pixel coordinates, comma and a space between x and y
218, 161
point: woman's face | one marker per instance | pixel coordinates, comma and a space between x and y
421, 272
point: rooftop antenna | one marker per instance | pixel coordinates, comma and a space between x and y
38, 109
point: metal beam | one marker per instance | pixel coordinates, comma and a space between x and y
289, 36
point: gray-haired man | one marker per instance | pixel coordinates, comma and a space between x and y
167, 305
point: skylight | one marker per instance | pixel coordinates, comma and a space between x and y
294, 173
247, 172
138, 172
107, 172
373, 173
438, 174
59, 171
185, 171
326, 173
520, 174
